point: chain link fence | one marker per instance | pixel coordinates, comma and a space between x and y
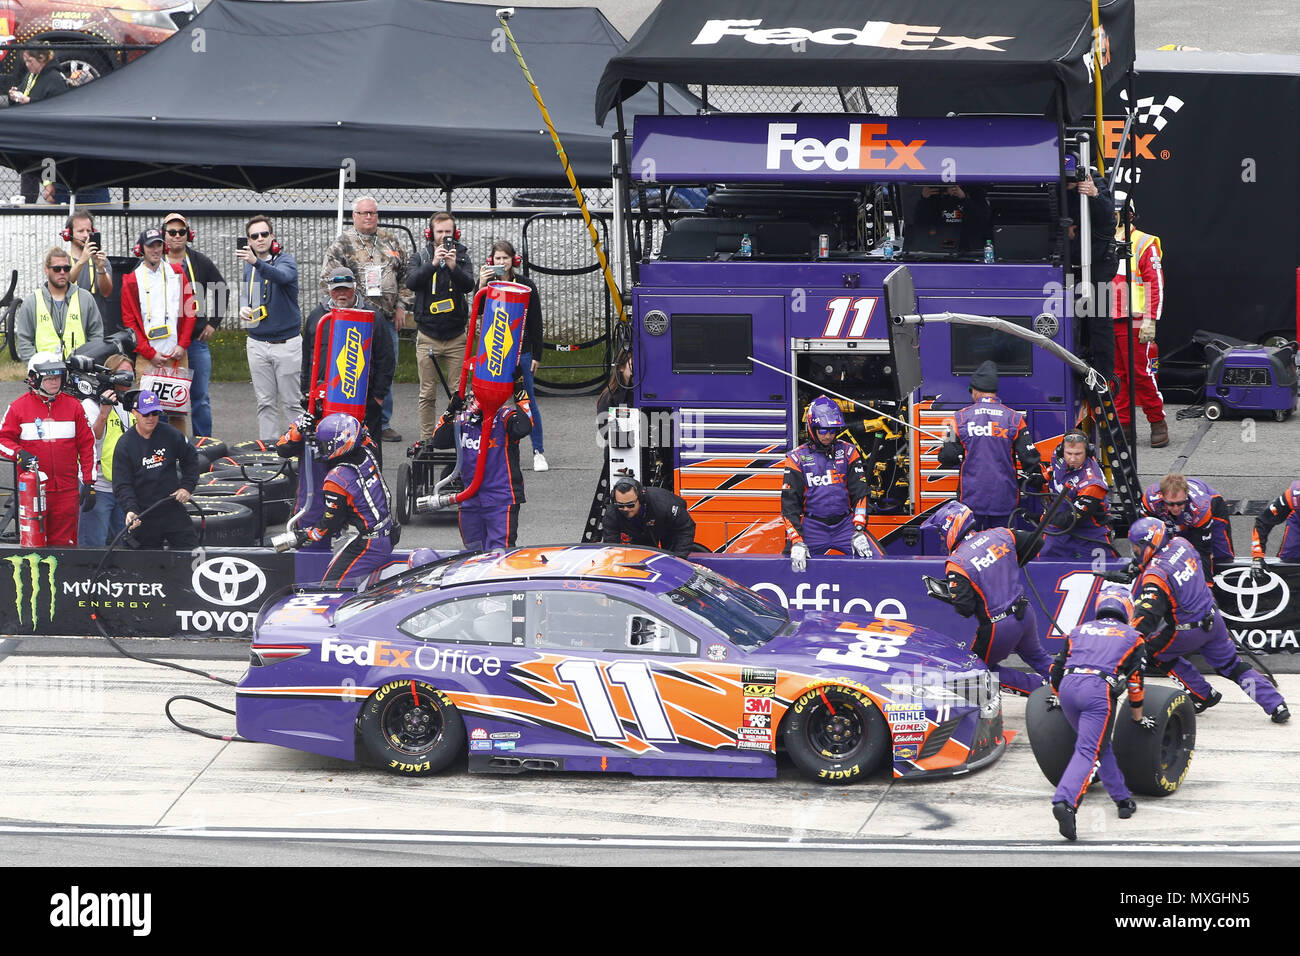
881, 100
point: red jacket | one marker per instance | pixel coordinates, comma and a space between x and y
63, 442
1148, 280
132, 313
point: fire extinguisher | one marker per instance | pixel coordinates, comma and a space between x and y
31, 508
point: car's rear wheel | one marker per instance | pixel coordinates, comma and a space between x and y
412, 728
836, 734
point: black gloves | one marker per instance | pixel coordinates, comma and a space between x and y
87, 498
1258, 571
1034, 481
521, 393
28, 462
456, 405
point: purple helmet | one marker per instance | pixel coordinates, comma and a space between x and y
953, 521
421, 556
1147, 535
823, 413
336, 435
1115, 600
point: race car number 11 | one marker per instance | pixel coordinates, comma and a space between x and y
864, 653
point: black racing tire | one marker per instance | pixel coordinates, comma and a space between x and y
253, 445
275, 510
281, 487
1213, 411
835, 734
1155, 763
265, 459
209, 448
1051, 737
224, 524
411, 728
403, 493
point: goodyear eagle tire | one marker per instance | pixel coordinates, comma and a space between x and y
411, 728
1155, 763
274, 510
836, 734
281, 487
223, 524
402, 499
1051, 737
256, 444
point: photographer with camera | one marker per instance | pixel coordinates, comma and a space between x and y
46, 431
268, 306
440, 276
145, 465
58, 317
91, 269
109, 419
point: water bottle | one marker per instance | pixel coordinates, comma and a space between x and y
988, 250
746, 247
887, 250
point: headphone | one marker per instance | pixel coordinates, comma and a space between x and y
627, 480
455, 230
66, 234
188, 230
516, 259
275, 248
1074, 436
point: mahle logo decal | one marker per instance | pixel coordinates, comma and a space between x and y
33, 563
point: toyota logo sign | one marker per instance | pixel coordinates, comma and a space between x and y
236, 581
1255, 601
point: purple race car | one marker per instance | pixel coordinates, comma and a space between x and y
609, 659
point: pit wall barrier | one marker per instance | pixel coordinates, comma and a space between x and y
218, 592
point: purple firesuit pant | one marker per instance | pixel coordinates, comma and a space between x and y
1088, 707
485, 526
1217, 647
358, 559
1009, 636
822, 538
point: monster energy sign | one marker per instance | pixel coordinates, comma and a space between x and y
30, 584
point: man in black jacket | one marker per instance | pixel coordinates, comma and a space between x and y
440, 277
1094, 314
649, 516
145, 463
342, 286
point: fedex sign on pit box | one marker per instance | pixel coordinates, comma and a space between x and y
776, 148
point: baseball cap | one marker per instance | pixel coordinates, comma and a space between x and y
341, 276
178, 217
150, 236
146, 403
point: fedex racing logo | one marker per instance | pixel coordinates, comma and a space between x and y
988, 430
825, 480
877, 33
350, 363
990, 557
384, 654
866, 147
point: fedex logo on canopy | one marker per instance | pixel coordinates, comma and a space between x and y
866, 147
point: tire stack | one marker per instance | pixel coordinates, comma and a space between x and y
225, 506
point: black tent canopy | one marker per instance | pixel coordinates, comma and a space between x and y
259, 95
905, 43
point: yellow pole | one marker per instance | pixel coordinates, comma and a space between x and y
1096, 76
503, 15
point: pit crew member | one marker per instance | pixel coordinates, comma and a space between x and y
1078, 527
824, 492
45, 430
1100, 660
1175, 611
654, 517
1148, 300
1197, 512
1282, 509
153, 462
984, 582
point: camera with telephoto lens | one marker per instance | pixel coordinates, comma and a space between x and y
88, 377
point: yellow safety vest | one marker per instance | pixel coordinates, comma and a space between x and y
47, 337
1141, 243
113, 430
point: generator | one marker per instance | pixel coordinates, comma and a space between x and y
1250, 379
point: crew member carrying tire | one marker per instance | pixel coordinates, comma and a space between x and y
1173, 590
824, 492
1100, 660
984, 582
355, 494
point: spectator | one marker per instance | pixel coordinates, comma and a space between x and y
109, 421
38, 80
374, 256
503, 264
383, 362
153, 462
440, 276
91, 269
653, 517
158, 305
268, 305
209, 287
58, 317
618, 391
46, 430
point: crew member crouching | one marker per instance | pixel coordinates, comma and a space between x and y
649, 516
1078, 528
824, 492
355, 495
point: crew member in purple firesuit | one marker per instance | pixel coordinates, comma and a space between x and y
824, 492
355, 494
1078, 529
984, 582
297, 443
1195, 511
1099, 661
490, 519
1173, 590
986, 439
1285, 507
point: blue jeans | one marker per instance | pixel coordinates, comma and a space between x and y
388, 399
526, 363
101, 524
200, 406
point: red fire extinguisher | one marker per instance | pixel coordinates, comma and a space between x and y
31, 508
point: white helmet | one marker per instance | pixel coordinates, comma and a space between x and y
42, 365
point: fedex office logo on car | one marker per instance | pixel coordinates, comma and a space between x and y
867, 146
877, 33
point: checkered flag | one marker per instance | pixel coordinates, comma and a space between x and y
1149, 111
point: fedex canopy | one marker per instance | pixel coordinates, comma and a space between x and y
780, 147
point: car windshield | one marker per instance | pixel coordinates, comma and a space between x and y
427, 577
747, 619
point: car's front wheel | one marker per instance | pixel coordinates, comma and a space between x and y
836, 734
412, 728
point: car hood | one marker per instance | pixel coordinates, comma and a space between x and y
897, 644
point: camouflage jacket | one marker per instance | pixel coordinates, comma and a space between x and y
356, 252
